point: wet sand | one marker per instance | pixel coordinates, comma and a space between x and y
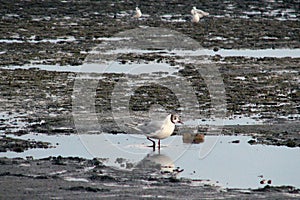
62, 32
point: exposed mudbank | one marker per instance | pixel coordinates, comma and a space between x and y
63, 33
73, 177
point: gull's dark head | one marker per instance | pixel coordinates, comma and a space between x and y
175, 119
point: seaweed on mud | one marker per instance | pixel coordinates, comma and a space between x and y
288, 189
19, 145
95, 177
87, 189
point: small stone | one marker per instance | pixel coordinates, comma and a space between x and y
251, 142
263, 181
235, 141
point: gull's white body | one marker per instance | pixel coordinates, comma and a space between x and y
198, 14
158, 129
196, 18
138, 13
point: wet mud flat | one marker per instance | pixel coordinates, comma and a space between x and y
40, 101
73, 177
62, 34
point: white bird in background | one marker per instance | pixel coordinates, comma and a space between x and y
198, 14
138, 13
159, 129
196, 18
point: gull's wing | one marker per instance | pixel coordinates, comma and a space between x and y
151, 127
201, 12
147, 128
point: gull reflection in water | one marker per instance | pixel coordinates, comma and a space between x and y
160, 162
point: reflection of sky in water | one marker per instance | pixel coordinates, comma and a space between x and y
233, 120
115, 67
132, 68
256, 53
232, 165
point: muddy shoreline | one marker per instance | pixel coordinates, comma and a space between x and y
44, 104
51, 178
230, 25
63, 32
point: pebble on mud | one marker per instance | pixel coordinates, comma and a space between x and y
235, 141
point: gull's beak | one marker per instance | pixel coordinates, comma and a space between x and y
180, 122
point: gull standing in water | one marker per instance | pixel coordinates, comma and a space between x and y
198, 14
138, 13
159, 129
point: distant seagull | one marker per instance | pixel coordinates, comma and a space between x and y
196, 18
159, 129
198, 14
138, 13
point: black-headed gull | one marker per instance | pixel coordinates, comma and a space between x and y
159, 129
138, 13
198, 14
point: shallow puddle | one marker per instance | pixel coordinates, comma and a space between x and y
233, 120
259, 53
255, 53
227, 161
115, 67
152, 67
